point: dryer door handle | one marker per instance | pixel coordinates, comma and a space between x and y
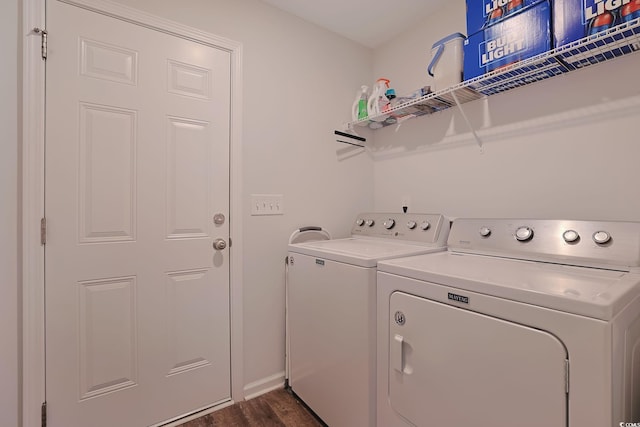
396, 353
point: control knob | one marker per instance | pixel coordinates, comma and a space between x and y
370, 223
601, 237
360, 222
388, 224
570, 236
524, 234
485, 231
411, 225
425, 225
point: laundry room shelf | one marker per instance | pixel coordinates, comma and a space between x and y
604, 46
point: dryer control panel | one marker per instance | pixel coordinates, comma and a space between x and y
430, 229
602, 244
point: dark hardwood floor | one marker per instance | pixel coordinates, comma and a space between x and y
276, 408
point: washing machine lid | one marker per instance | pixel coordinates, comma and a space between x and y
362, 252
591, 292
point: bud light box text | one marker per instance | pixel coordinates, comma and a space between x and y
576, 19
482, 13
525, 34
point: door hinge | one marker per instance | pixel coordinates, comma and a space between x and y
43, 414
566, 376
43, 46
43, 231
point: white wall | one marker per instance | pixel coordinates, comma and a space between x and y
562, 148
299, 83
9, 82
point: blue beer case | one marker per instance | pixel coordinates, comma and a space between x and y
525, 34
482, 13
576, 19
502, 32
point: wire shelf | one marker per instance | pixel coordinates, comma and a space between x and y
620, 40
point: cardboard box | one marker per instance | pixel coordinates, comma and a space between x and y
576, 19
525, 34
481, 13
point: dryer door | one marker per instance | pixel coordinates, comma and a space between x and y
451, 366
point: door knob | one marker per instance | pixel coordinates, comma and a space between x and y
218, 219
219, 244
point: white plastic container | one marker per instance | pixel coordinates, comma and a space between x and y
446, 64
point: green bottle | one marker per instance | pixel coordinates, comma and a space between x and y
359, 110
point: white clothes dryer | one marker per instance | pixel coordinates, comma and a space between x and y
527, 323
332, 306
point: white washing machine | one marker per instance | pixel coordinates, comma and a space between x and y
332, 306
528, 323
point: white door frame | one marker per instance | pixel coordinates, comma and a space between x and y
33, 112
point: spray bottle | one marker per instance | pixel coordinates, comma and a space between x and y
378, 102
359, 109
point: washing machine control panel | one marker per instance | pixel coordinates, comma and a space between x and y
588, 243
422, 228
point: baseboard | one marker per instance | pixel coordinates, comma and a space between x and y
264, 385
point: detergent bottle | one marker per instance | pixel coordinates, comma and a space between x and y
378, 101
359, 109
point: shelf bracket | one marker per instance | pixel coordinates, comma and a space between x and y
466, 119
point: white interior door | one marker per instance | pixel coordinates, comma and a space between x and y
137, 165
454, 367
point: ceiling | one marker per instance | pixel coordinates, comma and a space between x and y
368, 22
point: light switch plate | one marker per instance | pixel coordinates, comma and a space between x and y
267, 204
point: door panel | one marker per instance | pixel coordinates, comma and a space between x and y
107, 201
108, 339
450, 366
137, 164
188, 178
